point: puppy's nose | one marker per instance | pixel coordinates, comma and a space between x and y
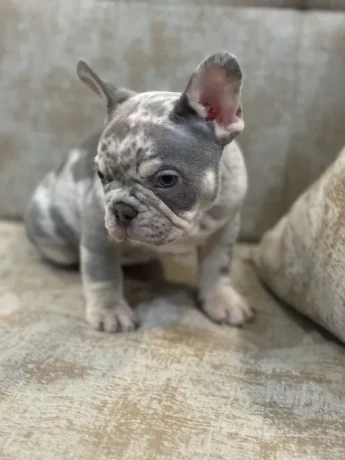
124, 213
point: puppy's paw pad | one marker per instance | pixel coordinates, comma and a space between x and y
117, 319
225, 305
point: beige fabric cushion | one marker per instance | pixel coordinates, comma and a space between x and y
292, 60
180, 388
302, 259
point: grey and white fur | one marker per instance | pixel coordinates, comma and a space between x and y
162, 176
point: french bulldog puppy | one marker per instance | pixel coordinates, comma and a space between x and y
162, 176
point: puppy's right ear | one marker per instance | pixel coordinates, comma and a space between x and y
214, 94
111, 95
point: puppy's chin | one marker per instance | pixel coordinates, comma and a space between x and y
148, 238
144, 237
117, 236
155, 231
129, 237
151, 241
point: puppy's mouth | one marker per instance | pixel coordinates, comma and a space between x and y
127, 236
137, 234
153, 222
156, 227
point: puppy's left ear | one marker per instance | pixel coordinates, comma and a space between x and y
213, 92
111, 95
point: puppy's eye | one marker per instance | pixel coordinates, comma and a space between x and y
166, 179
100, 175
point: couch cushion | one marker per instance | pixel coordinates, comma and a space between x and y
294, 63
299, 4
302, 258
179, 388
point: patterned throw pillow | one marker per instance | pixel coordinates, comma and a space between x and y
302, 259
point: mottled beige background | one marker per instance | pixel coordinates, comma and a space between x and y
293, 94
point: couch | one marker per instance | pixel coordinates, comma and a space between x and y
180, 387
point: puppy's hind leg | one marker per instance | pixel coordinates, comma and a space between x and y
46, 229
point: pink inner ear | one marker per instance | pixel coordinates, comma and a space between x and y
215, 111
216, 99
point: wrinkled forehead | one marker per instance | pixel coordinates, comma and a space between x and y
154, 104
143, 130
138, 113
131, 131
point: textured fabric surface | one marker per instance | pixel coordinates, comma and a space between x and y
326, 4
301, 4
293, 61
179, 388
302, 259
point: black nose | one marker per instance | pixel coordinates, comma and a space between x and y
124, 213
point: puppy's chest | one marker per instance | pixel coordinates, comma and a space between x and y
203, 231
182, 246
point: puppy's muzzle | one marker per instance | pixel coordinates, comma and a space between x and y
124, 213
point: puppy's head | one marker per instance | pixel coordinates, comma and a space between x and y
158, 157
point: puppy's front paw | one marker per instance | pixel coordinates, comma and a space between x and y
225, 305
119, 318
